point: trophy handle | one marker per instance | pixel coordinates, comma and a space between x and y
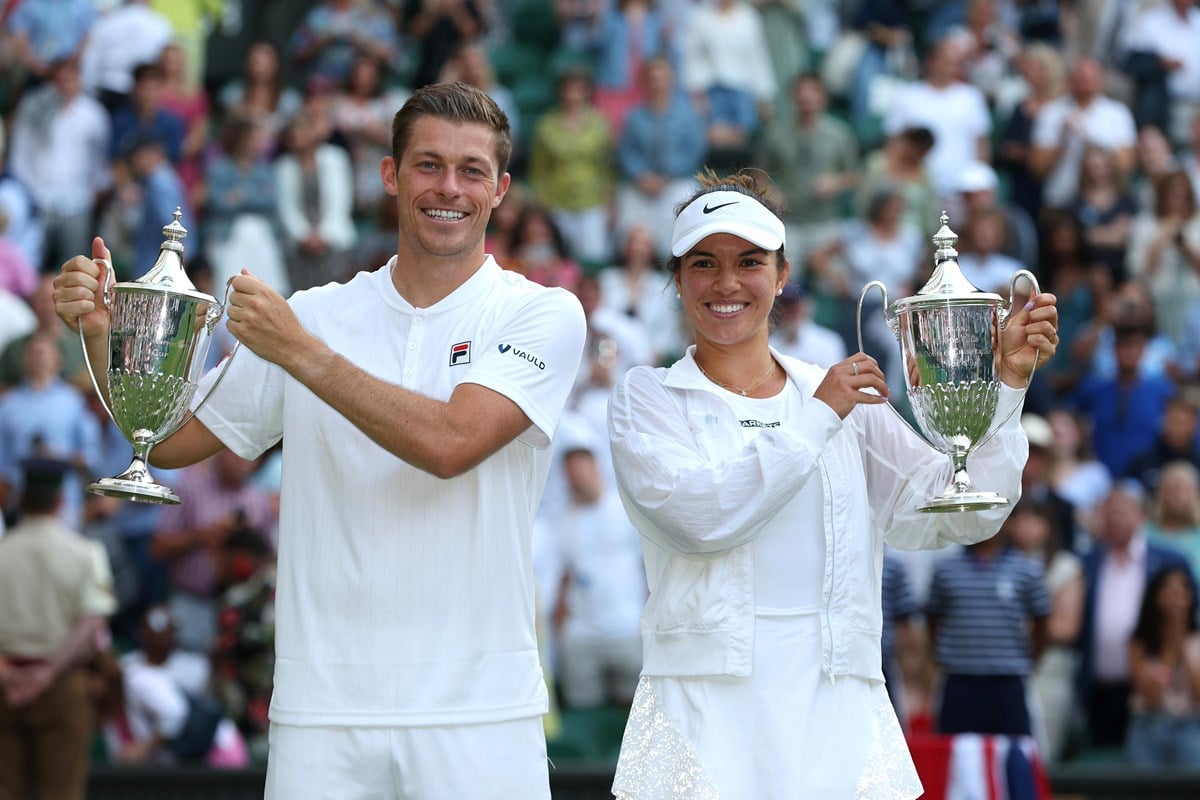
1004, 314
210, 322
891, 323
1012, 291
107, 296
858, 317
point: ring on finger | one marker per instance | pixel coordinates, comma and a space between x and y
854, 366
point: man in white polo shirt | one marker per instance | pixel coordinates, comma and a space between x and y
1065, 126
416, 404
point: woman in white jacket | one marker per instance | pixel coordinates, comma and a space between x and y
764, 489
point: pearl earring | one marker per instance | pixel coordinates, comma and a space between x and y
779, 291
677, 297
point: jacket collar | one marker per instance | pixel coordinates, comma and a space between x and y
685, 373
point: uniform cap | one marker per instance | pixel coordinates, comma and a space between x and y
45, 471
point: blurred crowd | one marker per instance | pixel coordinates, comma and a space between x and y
1059, 136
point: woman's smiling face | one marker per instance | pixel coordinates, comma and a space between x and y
728, 286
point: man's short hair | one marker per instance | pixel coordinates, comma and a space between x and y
150, 69
920, 137
456, 102
42, 490
1129, 329
141, 140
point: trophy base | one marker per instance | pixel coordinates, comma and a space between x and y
137, 491
963, 501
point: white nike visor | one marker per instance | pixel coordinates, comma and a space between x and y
726, 212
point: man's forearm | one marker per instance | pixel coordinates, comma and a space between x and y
415, 428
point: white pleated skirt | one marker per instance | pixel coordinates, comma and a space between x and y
785, 733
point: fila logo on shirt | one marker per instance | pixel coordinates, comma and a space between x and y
519, 353
460, 353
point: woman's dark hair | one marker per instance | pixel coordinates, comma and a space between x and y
623, 246
276, 78
920, 138
529, 212
879, 200
750, 181
235, 128
1055, 540
349, 84
1149, 633
1168, 182
574, 72
1050, 222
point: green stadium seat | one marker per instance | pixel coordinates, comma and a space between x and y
1099, 756
514, 62
593, 734
534, 95
533, 22
562, 749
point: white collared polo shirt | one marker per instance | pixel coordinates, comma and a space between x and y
405, 599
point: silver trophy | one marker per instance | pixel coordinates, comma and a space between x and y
949, 334
158, 338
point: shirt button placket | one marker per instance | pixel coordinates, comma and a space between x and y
415, 335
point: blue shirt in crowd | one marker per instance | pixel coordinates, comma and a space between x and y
671, 144
983, 607
163, 192
54, 28
52, 422
1125, 419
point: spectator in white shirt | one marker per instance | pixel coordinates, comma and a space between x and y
129, 34
603, 583
980, 256
726, 70
60, 153
1066, 125
798, 336
954, 111
24, 226
315, 193
637, 287
1171, 31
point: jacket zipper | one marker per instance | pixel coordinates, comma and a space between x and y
831, 556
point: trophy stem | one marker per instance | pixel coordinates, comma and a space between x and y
960, 483
135, 482
960, 494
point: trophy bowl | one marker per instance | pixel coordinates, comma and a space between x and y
949, 336
160, 330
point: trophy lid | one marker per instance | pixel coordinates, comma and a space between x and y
168, 274
947, 284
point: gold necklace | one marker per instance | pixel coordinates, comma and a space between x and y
743, 392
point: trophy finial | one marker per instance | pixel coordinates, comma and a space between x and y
174, 233
944, 241
168, 272
947, 279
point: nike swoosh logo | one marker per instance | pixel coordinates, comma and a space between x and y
709, 209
